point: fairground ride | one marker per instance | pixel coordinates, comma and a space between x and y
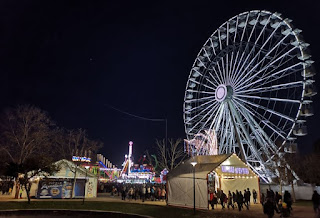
252, 84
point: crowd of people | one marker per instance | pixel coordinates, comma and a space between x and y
152, 192
6, 187
232, 200
273, 202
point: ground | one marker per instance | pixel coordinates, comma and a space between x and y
301, 209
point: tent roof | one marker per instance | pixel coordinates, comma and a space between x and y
72, 165
205, 164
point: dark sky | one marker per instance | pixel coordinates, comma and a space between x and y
74, 58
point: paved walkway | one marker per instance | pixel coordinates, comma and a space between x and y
255, 209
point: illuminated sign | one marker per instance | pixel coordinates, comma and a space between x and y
227, 169
237, 170
81, 159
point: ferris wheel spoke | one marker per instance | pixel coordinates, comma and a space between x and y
270, 99
250, 145
199, 91
230, 67
254, 46
208, 109
266, 109
211, 102
267, 78
211, 113
217, 120
246, 47
224, 70
244, 28
259, 52
209, 87
236, 30
272, 76
226, 134
201, 108
211, 45
268, 65
272, 88
221, 73
216, 82
243, 74
199, 99
234, 65
262, 119
261, 142
203, 117
241, 40
217, 74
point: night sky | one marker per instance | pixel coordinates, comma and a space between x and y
75, 59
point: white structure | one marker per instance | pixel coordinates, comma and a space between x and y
212, 173
130, 157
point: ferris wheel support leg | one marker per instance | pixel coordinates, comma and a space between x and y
243, 157
263, 143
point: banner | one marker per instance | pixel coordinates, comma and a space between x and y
54, 188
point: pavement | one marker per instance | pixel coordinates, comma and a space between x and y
254, 211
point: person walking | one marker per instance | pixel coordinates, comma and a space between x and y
214, 200
239, 200
152, 193
143, 192
316, 202
223, 198
148, 192
234, 198
131, 193
123, 193
163, 194
287, 199
254, 195
21, 191
246, 198
230, 200
269, 208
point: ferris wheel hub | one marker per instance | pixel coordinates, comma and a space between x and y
223, 92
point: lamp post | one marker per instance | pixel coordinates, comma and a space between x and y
85, 184
194, 163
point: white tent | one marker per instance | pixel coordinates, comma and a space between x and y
61, 182
212, 172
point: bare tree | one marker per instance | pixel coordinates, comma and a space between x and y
75, 143
172, 156
25, 135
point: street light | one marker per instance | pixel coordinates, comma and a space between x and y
85, 184
194, 163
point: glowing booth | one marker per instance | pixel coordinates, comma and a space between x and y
212, 173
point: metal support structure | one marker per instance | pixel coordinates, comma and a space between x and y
85, 184
194, 190
243, 157
194, 186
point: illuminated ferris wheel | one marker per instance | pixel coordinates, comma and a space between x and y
252, 84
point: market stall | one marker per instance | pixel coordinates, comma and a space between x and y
212, 173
